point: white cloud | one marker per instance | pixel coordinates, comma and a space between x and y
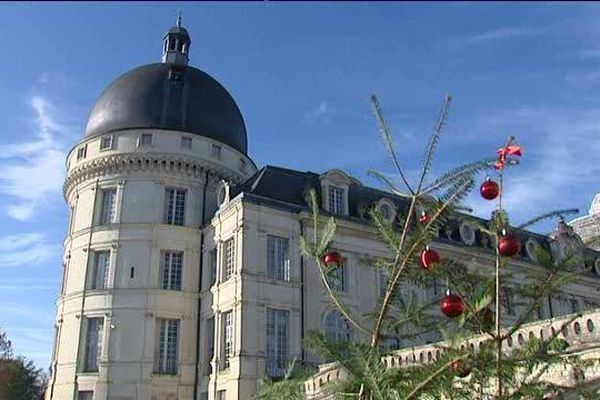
25, 249
559, 167
320, 112
33, 171
494, 35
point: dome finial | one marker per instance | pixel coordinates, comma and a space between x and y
176, 44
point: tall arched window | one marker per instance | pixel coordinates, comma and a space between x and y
337, 328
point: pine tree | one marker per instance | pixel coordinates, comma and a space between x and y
473, 302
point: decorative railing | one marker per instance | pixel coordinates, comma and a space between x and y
582, 332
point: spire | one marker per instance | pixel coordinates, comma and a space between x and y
176, 44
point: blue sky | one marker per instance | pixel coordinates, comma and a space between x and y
302, 75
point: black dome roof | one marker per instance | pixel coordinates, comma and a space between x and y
169, 96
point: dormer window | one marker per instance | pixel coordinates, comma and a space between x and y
336, 200
335, 186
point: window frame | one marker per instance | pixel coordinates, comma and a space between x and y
334, 272
216, 151
186, 139
164, 347
82, 152
277, 352
142, 142
229, 259
102, 217
171, 205
170, 270
94, 328
95, 283
227, 339
110, 146
335, 198
274, 268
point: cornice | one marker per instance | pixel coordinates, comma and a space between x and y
124, 163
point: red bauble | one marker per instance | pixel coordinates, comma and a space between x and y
508, 245
424, 218
489, 189
460, 369
452, 305
429, 257
332, 259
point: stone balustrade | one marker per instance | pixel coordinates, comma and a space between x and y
582, 333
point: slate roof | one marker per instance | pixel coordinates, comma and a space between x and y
288, 189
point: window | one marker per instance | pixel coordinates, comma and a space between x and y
336, 200
101, 269
227, 335
210, 342
167, 340
278, 322
337, 327
229, 257
85, 395
145, 139
172, 264
93, 344
106, 142
242, 165
107, 215
574, 303
212, 263
216, 151
278, 262
186, 142
82, 152
386, 212
382, 282
222, 395
175, 206
338, 278
509, 301
63, 283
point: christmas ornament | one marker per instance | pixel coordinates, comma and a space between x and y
510, 150
452, 305
332, 259
424, 218
489, 189
460, 369
508, 245
429, 258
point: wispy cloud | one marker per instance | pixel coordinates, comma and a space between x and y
559, 168
504, 33
25, 249
33, 171
321, 112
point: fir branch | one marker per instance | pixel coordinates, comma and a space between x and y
552, 214
388, 141
433, 140
460, 172
383, 179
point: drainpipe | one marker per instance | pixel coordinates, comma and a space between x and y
197, 363
302, 296
83, 292
62, 295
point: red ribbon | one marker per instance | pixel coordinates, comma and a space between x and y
510, 150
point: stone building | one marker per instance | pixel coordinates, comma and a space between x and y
182, 275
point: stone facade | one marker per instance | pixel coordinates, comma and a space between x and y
182, 272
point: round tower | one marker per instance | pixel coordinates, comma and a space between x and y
140, 184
